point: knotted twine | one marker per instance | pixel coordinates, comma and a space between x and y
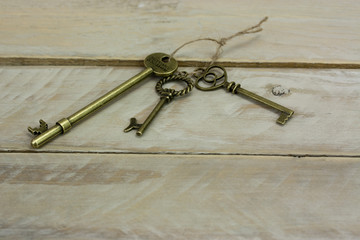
222, 41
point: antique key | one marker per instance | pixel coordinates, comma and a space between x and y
166, 95
160, 64
212, 80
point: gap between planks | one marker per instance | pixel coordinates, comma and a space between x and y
40, 61
184, 153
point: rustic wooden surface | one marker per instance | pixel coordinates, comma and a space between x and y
212, 165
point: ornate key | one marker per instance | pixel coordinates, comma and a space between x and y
160, 64
215, 77
166, 95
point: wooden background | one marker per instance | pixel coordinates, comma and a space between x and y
212, 165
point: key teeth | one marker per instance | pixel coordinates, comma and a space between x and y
42, 128
133, 125
284, 117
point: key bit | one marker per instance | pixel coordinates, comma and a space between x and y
215, 77
133, 125
37, 131
284, 117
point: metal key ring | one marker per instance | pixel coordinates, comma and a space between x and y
212, 78
176, 77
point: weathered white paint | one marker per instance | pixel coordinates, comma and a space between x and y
302, 31
112, 195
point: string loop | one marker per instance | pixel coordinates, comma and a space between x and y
222, 41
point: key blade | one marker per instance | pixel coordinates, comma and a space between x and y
285, 113
133, 125
39, 130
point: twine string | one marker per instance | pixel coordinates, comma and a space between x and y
222, 41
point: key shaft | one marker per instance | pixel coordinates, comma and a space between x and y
98, 103
285, 114
66, 124
151, 116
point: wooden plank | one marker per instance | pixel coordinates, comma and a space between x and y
326, 105
112, 196
300, 32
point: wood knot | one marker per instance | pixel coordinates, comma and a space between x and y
280, 90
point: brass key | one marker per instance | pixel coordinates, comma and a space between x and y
166, 95
159, 63
215, 77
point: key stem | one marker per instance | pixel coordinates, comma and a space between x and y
267, 102
151, 116
98, 103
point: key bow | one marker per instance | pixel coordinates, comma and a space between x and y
211, 78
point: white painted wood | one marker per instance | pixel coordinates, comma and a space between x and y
226, 194
326, 105
301, 31
107, 196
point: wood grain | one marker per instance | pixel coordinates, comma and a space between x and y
301, 32
212, 165
112, 196
325, 104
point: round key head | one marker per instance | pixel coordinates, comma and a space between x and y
209, 79
176, 77
161, 63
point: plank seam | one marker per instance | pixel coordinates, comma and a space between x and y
186, 153
40, 61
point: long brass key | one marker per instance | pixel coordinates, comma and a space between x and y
166, 95
215, 77
160, 64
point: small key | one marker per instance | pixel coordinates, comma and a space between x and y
212, 80
166, 95
160, 64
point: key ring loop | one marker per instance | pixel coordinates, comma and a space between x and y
211, 78
176, 77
